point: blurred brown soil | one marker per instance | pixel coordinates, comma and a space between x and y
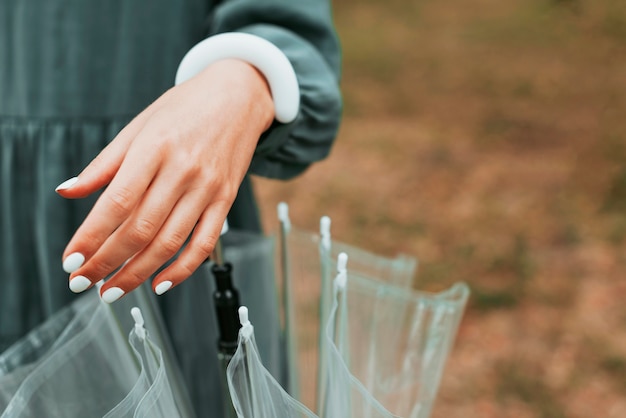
488, 139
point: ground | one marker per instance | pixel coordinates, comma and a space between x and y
488, 138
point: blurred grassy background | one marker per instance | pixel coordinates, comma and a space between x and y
488, 138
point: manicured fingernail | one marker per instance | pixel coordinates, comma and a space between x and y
73, 262
79, 284
112, 294
162, 287
66, 184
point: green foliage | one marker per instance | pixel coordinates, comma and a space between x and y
615, 366
517, 382
485, 300
516, 268
517, 261
615, 199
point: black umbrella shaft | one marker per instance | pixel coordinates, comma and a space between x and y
226, 302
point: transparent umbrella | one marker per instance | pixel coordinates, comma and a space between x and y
85, 374
254, 391
307, 266
145, 300
345, 395
151, 395
380, 310
19, 360
370, 372
390, 344
80, 364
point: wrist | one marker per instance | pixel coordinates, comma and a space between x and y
270, 61
245, 85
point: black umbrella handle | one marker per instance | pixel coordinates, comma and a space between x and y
226, 302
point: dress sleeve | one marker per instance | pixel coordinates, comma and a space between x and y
304, 31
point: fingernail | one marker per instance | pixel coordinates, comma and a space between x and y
66, 184
112, 294
79, 284
162, 287
73, 262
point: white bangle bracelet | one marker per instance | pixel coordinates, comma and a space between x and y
260, 53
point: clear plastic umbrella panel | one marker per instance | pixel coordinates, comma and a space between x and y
79, 364
391, 373
382, 346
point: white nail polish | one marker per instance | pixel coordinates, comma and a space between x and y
66, 184
79, 284
112, 294
162, 287
73, 262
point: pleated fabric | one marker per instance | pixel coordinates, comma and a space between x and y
36, 223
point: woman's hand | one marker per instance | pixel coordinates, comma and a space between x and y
177, 166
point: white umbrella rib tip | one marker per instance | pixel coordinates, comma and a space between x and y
342, 271
246, 326
325, 231
135, 312
283, 214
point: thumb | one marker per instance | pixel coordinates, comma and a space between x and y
96, 175
103, 168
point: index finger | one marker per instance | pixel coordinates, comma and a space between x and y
112, 208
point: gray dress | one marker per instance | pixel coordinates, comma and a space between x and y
72, 74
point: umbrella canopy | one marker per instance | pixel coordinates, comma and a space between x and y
79, 364
19, 360
390, 344
307, 262
151, 395
85, 374
345, 395
254, 391
386, 347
